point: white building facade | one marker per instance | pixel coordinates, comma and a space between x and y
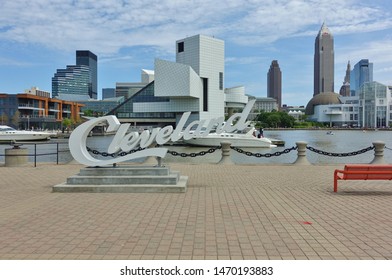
340, 115
371, 108
194, 83
375, 105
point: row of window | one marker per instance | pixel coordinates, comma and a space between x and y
146, 115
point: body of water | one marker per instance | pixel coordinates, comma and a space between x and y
342, 141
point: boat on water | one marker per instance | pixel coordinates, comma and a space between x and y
8, 134
330, 132
244, 138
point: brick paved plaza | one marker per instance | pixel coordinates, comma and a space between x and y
228, 212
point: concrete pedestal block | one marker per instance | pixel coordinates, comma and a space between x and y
225, 153
125, 179
378, 152
16, 157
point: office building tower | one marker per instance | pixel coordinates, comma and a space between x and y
362, 73
77, 82
89, 59
345, 88
71, 83
274, 83
323, 62
108, 93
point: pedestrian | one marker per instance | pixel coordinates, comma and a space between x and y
261, 134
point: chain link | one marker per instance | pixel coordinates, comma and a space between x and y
113, 155
202, 153
247, 153
388, 148
355, 153
267, 155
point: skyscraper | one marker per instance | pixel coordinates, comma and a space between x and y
323, 62
77, 82
89, 59
72, 83
362, 73
345, 88
274, 83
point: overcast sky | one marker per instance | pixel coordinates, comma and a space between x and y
39, 36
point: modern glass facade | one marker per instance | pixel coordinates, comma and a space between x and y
145, 95
373, 105
362, 73
108, 93
8, 108
89, 59
75, 79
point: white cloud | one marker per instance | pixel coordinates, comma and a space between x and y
243, 60
106, 26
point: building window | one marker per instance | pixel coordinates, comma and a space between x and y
205, 94
221, 80
180, 47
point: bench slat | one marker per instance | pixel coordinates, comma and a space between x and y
362, 172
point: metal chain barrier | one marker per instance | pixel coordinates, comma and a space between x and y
202, 153
267, 155
340, 154
113, 155
388, 148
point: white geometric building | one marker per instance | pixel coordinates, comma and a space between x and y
194, 83
197, 75
235, 99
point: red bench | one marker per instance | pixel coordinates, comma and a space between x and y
362, 172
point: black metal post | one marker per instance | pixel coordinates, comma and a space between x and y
35, 155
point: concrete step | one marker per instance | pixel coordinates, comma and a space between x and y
125, 171
179, 187
170, 179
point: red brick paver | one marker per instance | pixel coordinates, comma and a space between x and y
229, 212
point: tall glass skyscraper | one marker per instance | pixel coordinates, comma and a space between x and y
71, 83
77, 82
274, 83
362, 73
89, 59
324, 61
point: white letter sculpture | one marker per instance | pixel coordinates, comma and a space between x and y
126, 142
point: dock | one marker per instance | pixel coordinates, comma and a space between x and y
277, 142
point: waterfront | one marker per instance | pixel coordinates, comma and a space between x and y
342, 141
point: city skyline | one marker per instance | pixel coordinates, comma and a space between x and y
128, 37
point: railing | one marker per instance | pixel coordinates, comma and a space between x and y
300, 147
33, 151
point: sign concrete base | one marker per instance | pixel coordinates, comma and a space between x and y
124, 179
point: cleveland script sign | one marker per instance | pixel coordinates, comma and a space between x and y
125, 142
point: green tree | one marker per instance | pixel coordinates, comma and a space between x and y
67, 123
286, 120
88, 113
15, 119
273, 120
